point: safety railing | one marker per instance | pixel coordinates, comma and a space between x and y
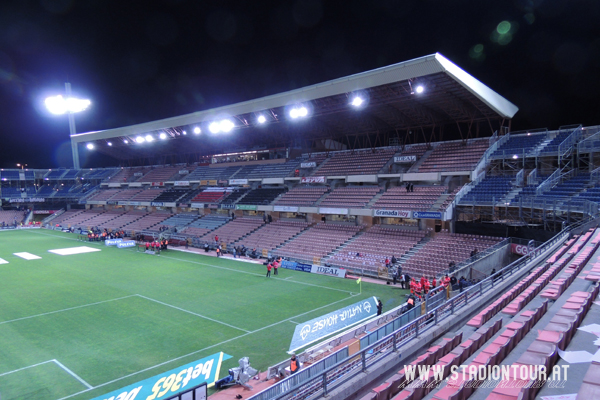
341, 372
469, 262
549, 183
532, 177
592, 142
595, 175
568, 143
560, 204
519, 177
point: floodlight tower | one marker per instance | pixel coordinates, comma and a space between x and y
59, 105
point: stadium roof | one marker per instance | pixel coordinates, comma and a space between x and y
393, 105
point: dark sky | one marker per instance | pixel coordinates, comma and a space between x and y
143, 60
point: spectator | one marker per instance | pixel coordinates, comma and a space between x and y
379, 307
394, 261
474, 252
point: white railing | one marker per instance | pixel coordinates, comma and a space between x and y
568, 143
548, 183
520, 174
590, 143
532, 177
595, 175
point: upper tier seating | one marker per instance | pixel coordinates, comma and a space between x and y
159, 174
318, 241
149, 222
262, 196
273, 234
205, 225
234, 230
445, 247
491, 188
171, 195
208, 173
454, 156
125, 194
9, 175
101, 173
302, 196
70, 174
280, 170
212, 195
519, 144
235, 195
369, 250
421, 199
351, 196
355, 163
54, 174
127, 175
147, 194
552, 147
66, 216
103, 195
568, 188
45, 191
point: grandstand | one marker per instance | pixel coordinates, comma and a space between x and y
501, 194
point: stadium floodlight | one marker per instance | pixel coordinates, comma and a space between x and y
196, 131
184, 132
109, 143
149, 138
357, 101
90, 146
214, 127
294, 113
126, 141
420, 89
226, 125
59, 105
302, 112
163, 136
261, 119
515, 157
140, 139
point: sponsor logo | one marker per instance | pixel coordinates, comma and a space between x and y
227, 206
317, 269
245, 207
183, 172
157, 203
427, 215
112, 242
336, 211
197, 205
158, 183
111, 202
38, 212
313, 179
405, 159
126, 243
181, 183
167, 384
238, 181
28, 200
285, 208
392, 213
521, 249
311, 164
138, 174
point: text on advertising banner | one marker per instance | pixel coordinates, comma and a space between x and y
167, 384
427, 215
331, 271
315, 329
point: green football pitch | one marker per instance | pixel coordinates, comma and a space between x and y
79, 326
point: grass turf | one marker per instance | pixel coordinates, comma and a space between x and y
116, 317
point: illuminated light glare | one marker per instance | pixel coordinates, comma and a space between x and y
140, 139
196, 131
59, 105
214, 127
294, 113
90, 146
109, 143
357, 102
149, 138
163, 136
184, 132
503, 27
261, 119
515, 156
420, 89
126, 141
302, 112
226, 125
478, 48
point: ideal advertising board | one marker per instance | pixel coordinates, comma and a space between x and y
331, 271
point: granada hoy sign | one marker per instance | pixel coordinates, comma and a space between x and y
316, 329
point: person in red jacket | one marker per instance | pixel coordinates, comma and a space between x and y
426, 286
433, 285
423, 279
269, 266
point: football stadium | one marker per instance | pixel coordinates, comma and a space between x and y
384, 235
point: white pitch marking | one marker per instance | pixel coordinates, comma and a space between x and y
29, 366
27, 256
73, 250
193, 313
73, 374
65, 309
204, 349
3, 261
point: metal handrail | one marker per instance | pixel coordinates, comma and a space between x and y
348, 368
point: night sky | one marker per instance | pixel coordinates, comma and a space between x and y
144, 60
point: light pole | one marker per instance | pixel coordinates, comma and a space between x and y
71, 105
